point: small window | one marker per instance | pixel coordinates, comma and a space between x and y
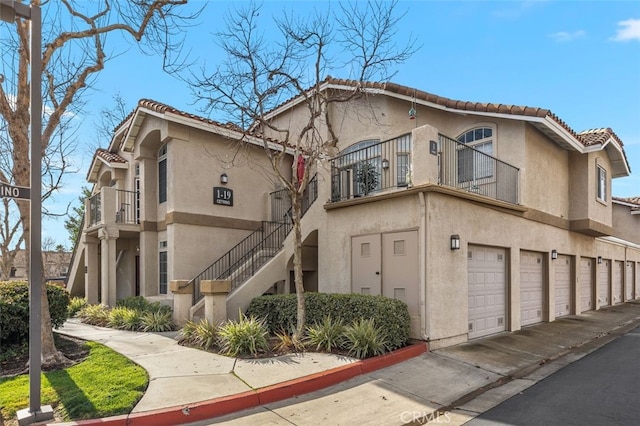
602, 184
163, 272
162, 174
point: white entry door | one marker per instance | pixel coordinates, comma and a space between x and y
366, 264
487, 290
531, 288
586, 284
563, 285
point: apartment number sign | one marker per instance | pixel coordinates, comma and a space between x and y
222, 196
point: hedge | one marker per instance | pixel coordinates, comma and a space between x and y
389, 314
14, 309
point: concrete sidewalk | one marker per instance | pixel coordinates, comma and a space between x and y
455, 383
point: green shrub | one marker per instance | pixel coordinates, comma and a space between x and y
327, 335
132, 320
201, 334
75, 304
157, 321
141, 304
94, 315
117, 317
247, 336
14, 309
287, 341
389, 314
364, 339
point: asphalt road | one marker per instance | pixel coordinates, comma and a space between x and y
601, 389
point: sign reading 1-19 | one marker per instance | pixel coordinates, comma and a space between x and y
222, 196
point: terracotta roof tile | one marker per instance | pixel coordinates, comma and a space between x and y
598, 136
457, 104
110, 157
630, 200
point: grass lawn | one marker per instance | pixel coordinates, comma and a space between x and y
104, 384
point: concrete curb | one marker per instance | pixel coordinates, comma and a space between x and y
596, 342
233, 403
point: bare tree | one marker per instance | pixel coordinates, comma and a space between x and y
259, 74
74, 51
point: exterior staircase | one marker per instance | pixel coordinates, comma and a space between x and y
249, 256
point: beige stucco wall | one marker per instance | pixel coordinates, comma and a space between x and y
625, 225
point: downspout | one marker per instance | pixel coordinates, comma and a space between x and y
422, 237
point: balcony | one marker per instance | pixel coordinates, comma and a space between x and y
466, 168
112, 207
371, 169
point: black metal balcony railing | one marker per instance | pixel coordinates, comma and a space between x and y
247, 257
371, 169
95, 214
281, 203
464, 167
126, 207
126, 202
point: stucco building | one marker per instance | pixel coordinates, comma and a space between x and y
483, 218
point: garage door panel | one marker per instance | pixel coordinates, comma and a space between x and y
629, 280
487, 291
562, 286
617, 291
531, 288
604, 283
586, 284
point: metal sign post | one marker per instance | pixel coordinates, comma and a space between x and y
9, 10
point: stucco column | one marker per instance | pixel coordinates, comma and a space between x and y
424, 162
91, 280
576, 287
148, 263
108, 238
215, 299
182, 300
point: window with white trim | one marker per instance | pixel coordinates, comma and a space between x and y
602, 184
472, 163
162, 174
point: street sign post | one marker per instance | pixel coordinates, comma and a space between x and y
10, 191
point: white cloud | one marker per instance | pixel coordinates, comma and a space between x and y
563, 36
630, 30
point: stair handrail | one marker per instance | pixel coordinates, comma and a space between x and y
311, 194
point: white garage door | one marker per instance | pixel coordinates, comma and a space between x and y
531, 288
586, 284
604, 283
563, 285
637, 280
628, 283
618, 273
487, 290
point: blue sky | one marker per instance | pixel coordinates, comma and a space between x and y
580, 59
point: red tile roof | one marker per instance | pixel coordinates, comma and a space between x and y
587, 137
630, 200
110, 157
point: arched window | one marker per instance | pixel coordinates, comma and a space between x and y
362, 161
162, 174
477, 162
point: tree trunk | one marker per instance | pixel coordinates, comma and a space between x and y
296, 205
51, 357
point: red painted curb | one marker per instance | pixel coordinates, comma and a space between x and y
233, 403
307, 384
